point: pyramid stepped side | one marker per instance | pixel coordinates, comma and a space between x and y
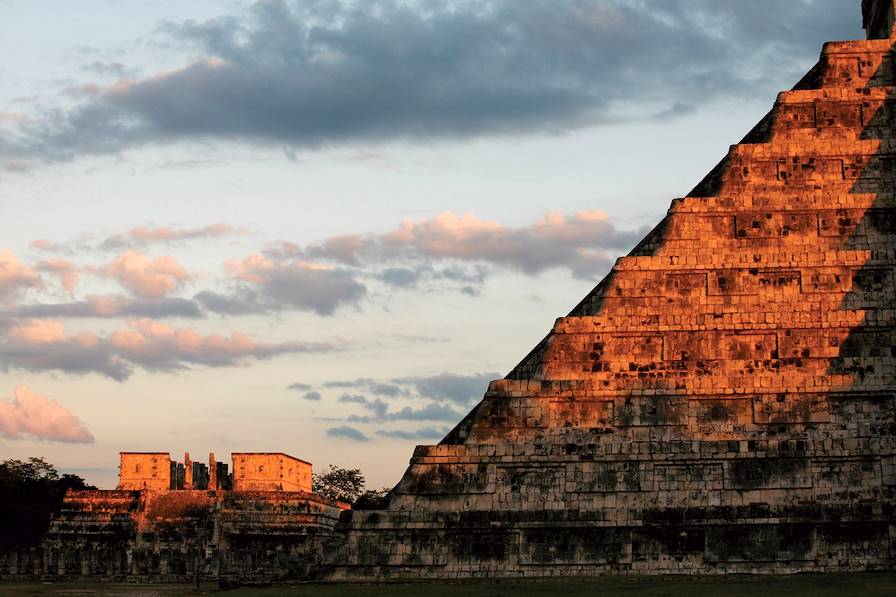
722, 402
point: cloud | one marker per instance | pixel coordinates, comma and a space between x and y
346, 432
30, 415
108, 69
142, 236
357, 399
43, 345
581, 242
108, 306
13, 117
312, 395
66, 271
427, 433
412, 277
144, 276
45, 245
434, 396
299, 387
263, 285
304, 75
371, 385
459, 389
15, 278
380, 411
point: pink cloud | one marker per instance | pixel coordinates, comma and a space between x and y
255, 268
43, 244
66, 271
37, 331
142, 235
266, 284
580, 242
14, 117
15, 277
43, 345
144, 276
150, 340
30, 415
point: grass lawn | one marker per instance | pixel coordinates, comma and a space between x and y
815, 585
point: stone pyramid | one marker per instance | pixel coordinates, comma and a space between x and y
723, 401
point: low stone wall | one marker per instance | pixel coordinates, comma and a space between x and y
179, 536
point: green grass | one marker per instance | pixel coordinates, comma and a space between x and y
805, 585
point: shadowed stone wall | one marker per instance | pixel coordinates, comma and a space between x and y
179, 536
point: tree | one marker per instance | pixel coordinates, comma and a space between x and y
371, 499
340, 484
30, 493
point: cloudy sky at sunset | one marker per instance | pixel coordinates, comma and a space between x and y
321, 227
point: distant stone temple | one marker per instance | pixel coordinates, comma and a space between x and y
270, 471
722, 402
181, 521
252, 471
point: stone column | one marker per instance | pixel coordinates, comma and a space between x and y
212, 471
879, 18
188, 471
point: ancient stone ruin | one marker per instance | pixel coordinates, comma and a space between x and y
722, 402
181, 522
252, 471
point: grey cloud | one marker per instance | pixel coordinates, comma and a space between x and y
68, 356
312, 395
274, 287
108, 69
347, 383
243, 301
430, 433
321, 291
386, 389
112, 306
674, 111
299, 387
414, 339
459, 389
354, 399
380, 411
580, 242
308, 74
403, 277
346, 432
437, 393
371, 385
42, 345
412, 277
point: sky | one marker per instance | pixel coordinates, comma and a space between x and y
321, 227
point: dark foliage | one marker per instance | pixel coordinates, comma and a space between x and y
30, 493
347, 485
341, 484
372, 499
